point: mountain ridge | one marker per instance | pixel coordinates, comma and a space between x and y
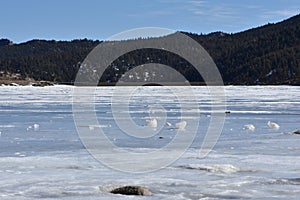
269, 54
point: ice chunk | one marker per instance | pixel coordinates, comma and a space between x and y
180, 125
250, 127
36, 127
151, 123
273, 125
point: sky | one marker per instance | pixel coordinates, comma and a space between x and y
23, 20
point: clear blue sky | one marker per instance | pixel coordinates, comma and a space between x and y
22, 20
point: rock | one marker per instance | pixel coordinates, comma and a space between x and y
13, 84
296, 132
132, 190
42, 84
168, 124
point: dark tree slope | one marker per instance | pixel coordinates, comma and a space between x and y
265, 55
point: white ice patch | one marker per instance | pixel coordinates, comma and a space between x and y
218, 168
273, 125
36, 127
181, 125
250, 127
151, 123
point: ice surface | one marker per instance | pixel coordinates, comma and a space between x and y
50, 162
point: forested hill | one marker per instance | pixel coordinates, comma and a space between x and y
265, 55
56, 61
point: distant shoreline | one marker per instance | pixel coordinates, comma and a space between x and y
26, 82
49, 83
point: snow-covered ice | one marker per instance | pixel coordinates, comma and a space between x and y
52, 163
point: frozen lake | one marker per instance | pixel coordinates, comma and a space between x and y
41, 155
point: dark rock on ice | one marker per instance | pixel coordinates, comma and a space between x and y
42, 84
297, 131
132, 190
